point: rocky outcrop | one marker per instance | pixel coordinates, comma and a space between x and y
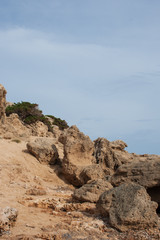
8, 216
118, 144
91, 191
16, 127
44, 150
144, 172
39, 129
78, 153
104, 154
2, 104
128, 207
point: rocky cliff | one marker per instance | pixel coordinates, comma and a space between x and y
62, 185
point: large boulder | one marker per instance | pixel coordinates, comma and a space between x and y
2, 104
44, 150
128, 207
78, 153
8, 216
104, 154
145, 172
91, 191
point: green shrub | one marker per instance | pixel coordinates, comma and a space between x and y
24, 110
29, 113
62, 124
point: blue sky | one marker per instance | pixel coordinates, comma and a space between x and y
94, 63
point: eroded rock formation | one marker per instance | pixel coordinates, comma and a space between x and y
93, 172
145, 172
91, 191
105, 155
78, 153
44, 150
128, 207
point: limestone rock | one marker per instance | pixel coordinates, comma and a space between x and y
14, 127
71, 173
128, 207
145, 172
8, 216
105, 155
44, 150
93, 172
78, 148
2, 103
78, 153
91, 191
55, 129
118, 144
39, 129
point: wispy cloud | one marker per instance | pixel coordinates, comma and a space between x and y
95, 64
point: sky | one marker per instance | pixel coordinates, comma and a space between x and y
94, 63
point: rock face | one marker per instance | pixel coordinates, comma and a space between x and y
44, 150
105, 155
39, 129
78, 153
118, 144
2, 104
8, 216
15, 126
128, 207
91, 192
145, 173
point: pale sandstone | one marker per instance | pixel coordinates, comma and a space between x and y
78, 153
44, 150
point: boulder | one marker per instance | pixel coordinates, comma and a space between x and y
2, 104
144, 172
78, 153
91, 191
128, 207
93, 172
104, 154
44, 150
8, 216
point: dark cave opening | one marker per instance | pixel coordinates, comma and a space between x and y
154, 193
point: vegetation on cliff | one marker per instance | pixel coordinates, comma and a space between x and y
29, 113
